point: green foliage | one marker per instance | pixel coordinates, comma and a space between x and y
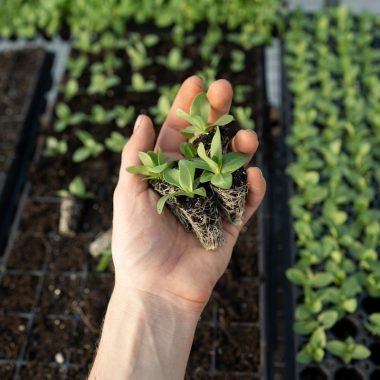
124, 115
348, 350
76, 189
184, 179
153, 165
66, 118
115, 142
102, 82
139, 84
244, 117
218, 168
373, 324
70, 89
138, 56
237, 61
198, 117
174, 60
54, 147
314, 350
90, 147
76, 66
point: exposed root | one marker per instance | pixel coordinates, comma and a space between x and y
70, 214
231, 203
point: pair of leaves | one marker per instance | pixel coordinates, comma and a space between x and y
198, 117
153, 165
218, 168
77, 189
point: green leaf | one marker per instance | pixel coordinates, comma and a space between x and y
350, 305
224, 120
233, 161
328, 318
223, 181
201, 191
200, 164
321, 280
336, 347
138, 169
303, 357
318, 339
296, 276
77, 186
216, 148
159, 168
361, 352
190, 132
171, 176
188, 150
104, 262
206, 177
186, 175
202, 154
146, 159
305, 327
302, 312
183, 115
161, 202
81, 154
200, 106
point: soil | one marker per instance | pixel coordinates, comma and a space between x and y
13, 336
52, 279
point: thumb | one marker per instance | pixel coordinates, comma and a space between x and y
141, 140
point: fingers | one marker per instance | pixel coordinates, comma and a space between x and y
219, 95
141, 140
256, 191
170, 137
245, 141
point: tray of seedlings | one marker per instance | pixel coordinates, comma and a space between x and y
331, 104
24, 79
54, 300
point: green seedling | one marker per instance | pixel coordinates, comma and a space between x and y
101, 83
198, 118
241, 92
218, 168
184, 179
153, 165
174, 61
237, 61
55, 147
115, 142
348, 350
244, 117
138, 56
99, 115
314, 350
161, 110
325, 320
90, 148
139, 84
66, 118
373, 324
188, 150
76, 66
70, 89
124, 115
111, 63
76, 189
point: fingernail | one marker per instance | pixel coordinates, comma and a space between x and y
138, 122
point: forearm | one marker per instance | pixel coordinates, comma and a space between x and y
145, 338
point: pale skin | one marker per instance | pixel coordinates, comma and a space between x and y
163, 276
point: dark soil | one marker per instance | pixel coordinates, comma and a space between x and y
7, 371
58, 286
13, 336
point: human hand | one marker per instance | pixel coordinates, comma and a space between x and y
152, 253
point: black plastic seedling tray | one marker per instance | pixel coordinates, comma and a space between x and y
12, 180
332, 367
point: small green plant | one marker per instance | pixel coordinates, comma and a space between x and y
314, 350
55, 147
237, 60
153, 165
124, 115
115, 142
76, 66
139, 84
175, 61
101, 83
198, 118
373, 324
70, 89
348, 350
66, 117
184, 179
99, 115
138, 56
218, 168
161, 110
244, 117
90, 148
76, 189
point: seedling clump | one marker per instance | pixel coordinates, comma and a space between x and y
207, 185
